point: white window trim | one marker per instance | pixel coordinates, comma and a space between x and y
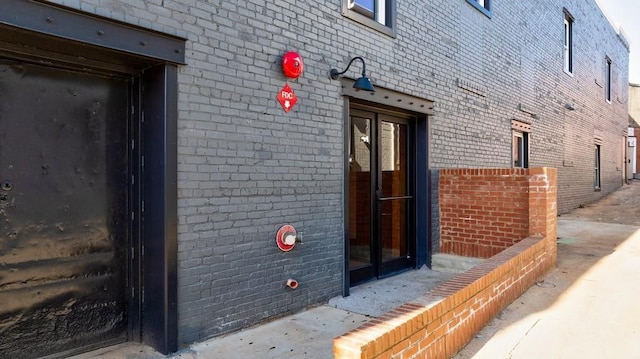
520, 150
381, 14
521, 130
384, 19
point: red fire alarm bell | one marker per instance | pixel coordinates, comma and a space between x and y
292, 64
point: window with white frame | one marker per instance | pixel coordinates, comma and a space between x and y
377, 14
607, 80
483, 5
520, 144
568, 42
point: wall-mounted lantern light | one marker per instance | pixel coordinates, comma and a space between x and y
362, 83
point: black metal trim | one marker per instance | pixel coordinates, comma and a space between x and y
380, 269
160, 114
423, 193
135, 228
394, 198
91, 29
346, 130
398, 265
375, 190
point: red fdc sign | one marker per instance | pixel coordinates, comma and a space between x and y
287, 98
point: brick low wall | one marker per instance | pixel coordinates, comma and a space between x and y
483, 211
443, 320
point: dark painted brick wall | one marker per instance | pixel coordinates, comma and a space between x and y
246, 167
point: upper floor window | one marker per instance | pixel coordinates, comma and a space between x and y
520, 144
568, 42
520, 149
607, 80
377, 14
483, 5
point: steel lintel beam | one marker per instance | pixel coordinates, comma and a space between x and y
91, 29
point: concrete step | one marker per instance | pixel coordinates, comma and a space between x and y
450, 263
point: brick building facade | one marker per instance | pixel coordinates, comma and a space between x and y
459, 84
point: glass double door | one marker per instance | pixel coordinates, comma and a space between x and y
381, 195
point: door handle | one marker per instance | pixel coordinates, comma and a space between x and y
394, 198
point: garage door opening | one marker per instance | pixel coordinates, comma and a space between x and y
88, 167
63, 210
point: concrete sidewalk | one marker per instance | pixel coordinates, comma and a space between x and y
589, 306
308, 334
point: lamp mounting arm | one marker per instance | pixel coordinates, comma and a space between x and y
335, 74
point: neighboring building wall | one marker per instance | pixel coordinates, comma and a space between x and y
246, 167
634, 101
634, 112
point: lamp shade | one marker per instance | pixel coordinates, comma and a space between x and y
363, 84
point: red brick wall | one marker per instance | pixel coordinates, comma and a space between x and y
483, 211
445, 319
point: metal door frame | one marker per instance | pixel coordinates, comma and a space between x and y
377, 269
393, 266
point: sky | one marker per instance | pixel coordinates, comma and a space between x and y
624, 13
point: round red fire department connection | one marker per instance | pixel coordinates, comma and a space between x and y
285, 238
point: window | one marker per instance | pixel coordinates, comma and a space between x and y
483, 5
368, 9
568, 42
607, 81
520, 144
377, 14
596, 180
520, 148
